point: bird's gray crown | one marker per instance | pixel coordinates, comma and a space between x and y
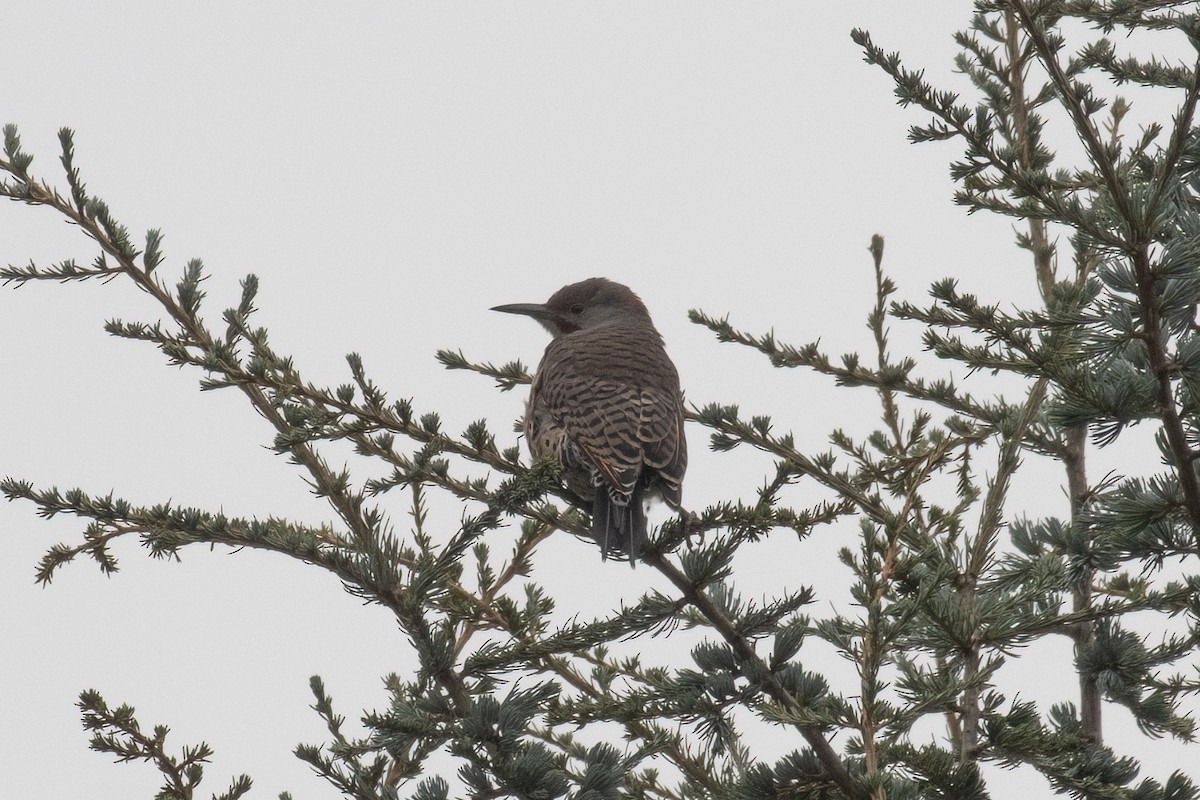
588, 304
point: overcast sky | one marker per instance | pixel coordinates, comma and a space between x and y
390, 171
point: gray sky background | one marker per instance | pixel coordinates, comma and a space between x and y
390, 171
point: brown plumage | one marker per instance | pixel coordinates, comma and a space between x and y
606, 402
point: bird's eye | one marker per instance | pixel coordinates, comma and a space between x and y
577, 308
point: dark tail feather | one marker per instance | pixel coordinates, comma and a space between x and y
617, 528
636, 528
604, 528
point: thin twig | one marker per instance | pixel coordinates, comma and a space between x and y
829, 758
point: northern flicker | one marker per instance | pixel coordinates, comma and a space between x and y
606, 403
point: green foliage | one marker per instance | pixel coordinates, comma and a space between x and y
948, 578
116, 731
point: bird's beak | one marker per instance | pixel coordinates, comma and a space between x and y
535, 310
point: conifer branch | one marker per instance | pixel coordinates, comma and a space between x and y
1139, 225
1073, 457
117, 731
834, 767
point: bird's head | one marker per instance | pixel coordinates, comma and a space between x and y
587, 304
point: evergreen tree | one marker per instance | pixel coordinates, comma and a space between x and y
950, 578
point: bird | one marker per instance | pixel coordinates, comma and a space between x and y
606, 403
